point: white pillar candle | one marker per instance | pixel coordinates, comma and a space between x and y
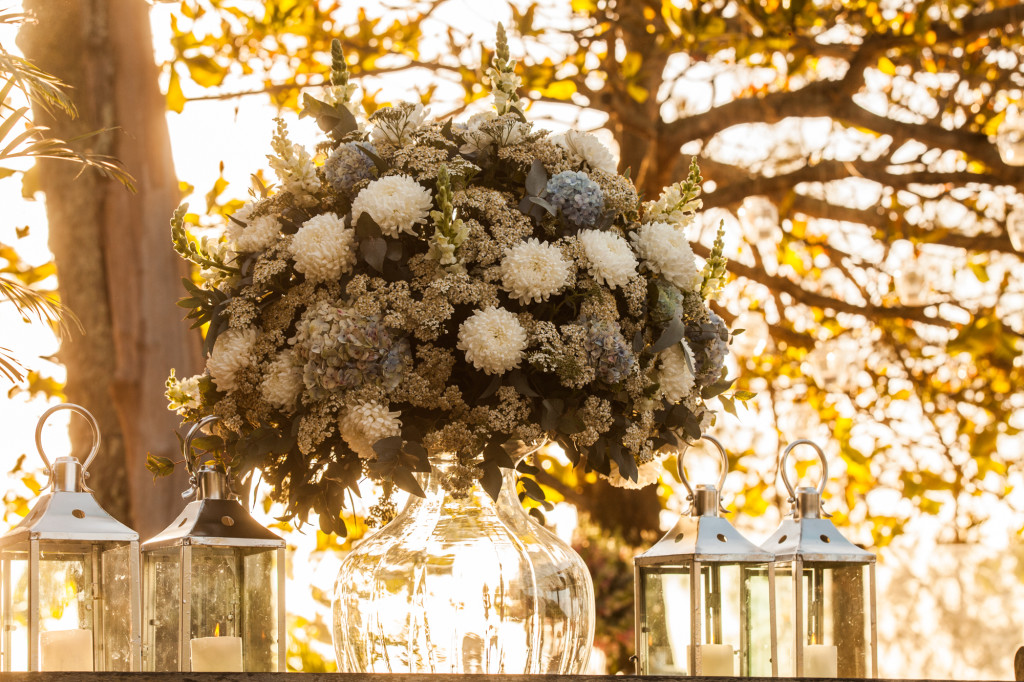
716, 660
821, 660
65, 650
216, 654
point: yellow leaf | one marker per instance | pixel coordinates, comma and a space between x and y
886, 66
559, 90
175, 97
631, 64
205, 71
638, 93
583, 5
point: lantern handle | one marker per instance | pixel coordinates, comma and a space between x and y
721, 477
186, 451
96, 439
821, 458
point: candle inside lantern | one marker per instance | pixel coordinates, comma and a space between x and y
216, 654
716, 660
62, 650
820, 660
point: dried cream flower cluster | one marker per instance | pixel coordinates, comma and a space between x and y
446, 287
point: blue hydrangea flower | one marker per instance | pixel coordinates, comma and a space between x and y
345, 350
347, 165
577, 196
610, 355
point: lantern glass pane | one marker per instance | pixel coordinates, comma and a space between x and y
216, 591
162, 568
665, 619
15, 611
259, 606
834, 613
116, 652
756, 656
68, 622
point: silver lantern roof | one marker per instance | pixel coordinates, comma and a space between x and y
68, 511
702, 534
214, 517
807, 534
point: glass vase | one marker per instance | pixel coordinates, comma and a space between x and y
460, 583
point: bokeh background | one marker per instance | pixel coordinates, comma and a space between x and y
861, 156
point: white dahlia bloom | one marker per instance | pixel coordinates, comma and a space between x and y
493, 340
533, 270
364, 424
675, 376
257, 235
323, 248
283, 383
666, 250
396, 203
231, 352
611, 260
588, 148
647, 473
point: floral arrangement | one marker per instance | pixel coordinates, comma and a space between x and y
413, 287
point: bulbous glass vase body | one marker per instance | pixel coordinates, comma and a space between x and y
463, 584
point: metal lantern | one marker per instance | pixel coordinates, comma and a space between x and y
705, 596
70, 574
826, 590
214, 584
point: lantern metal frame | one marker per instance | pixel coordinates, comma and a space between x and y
702, 538
68, 517
808, 537
215, 518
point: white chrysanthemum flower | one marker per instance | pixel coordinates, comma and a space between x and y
493, 340
396, 203
611, 260
257, 235
231, 352
675, 375
647, 473
283, 383
364, 424
666, 250
323, 248
588, 148
533, 271
242, 214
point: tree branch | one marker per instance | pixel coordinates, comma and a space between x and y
814, 299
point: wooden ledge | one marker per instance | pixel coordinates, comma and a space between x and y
356, 677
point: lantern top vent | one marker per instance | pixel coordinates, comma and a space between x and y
807, 534
68, 511
215, 517
701, 534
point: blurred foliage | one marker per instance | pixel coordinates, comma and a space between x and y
883, 298
21, 85
610, 560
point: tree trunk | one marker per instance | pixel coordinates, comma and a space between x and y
117, 270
